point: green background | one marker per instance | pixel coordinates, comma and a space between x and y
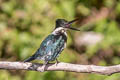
25, 23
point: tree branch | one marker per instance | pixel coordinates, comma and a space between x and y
108, 70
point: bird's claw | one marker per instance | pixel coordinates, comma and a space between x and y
57, 62
42, 68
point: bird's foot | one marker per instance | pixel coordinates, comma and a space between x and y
57, 62
42, 68
33, 67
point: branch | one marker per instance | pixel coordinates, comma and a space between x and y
60, 67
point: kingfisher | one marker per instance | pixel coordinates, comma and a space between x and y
54, 43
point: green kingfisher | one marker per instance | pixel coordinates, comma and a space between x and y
54, 43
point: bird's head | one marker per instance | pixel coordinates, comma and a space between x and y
62, 23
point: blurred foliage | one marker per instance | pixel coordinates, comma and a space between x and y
21, 31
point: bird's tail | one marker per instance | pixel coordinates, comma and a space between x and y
29, 59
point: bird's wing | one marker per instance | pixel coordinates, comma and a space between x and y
51, 47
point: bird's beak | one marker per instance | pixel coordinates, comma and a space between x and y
69, 25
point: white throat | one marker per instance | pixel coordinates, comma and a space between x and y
59, 30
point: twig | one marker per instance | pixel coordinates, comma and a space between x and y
108, 70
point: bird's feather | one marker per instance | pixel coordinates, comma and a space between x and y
51, 47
